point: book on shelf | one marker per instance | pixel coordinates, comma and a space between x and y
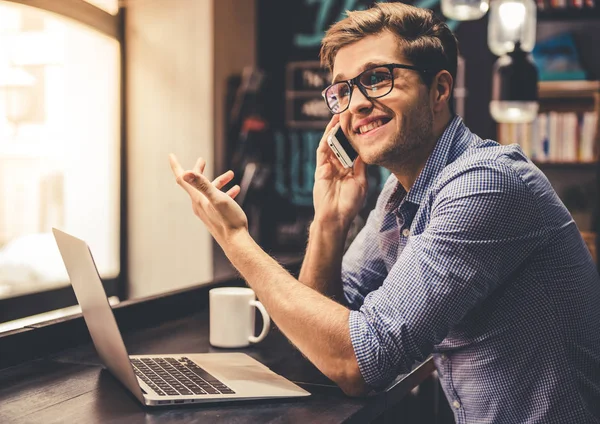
554, 136
565, 5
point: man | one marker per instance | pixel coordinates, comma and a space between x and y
469, 255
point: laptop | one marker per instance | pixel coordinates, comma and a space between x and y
157, 380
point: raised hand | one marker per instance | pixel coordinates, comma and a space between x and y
339, 193
220, 213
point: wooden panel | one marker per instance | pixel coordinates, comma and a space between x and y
30, 389
70, 385
54, 392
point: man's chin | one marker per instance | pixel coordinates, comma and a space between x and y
377, 160
366, 157
373, 155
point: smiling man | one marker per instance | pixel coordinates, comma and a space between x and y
469, 254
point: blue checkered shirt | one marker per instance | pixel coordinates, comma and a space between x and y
481, 265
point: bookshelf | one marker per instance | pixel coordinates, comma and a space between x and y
563, 142
568, 13
570, 89
564, 10
567, 131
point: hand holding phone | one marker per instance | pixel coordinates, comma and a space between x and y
341, 147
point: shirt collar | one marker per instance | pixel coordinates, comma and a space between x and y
449, 146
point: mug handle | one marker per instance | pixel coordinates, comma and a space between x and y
266, 322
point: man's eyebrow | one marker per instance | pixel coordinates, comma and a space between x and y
364, 67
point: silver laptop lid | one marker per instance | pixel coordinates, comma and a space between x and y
96, 310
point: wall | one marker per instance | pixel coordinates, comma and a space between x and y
235, 48
170, 109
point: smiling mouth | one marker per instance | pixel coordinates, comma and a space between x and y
364, 129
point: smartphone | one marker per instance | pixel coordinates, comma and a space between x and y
341, 147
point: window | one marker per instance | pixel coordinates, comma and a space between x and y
59, 145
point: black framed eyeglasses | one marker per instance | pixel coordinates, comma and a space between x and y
373, 83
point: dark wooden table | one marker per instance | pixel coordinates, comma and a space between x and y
51, 372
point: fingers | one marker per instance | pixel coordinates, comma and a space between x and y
203, 185
179, 175
335, 119
324, 172
233, 191
199, 167
193, 181
177, 169
332, 123
324, 154
223, 180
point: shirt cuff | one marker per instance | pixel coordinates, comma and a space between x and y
372, 362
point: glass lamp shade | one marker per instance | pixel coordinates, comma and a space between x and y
465, 10
513, 111
514, 88
511, 21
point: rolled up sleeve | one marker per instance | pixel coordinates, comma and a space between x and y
363, 269
483, 223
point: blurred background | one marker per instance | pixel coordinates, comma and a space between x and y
94, 95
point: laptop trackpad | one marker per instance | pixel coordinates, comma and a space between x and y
244, 374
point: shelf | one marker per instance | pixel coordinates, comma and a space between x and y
568, 14
551, 164
573, 89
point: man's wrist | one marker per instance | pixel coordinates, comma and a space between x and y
330, 228
238, 247
238, 237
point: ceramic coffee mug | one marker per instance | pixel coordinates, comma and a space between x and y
232, 317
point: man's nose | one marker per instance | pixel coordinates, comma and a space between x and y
359, 103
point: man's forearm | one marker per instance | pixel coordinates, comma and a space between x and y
317, 325
321, 269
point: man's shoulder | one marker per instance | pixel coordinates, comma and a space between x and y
489, 165
487, 155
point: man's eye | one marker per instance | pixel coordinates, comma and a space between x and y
344, 92
378, 78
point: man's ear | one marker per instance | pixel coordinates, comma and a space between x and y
441, 90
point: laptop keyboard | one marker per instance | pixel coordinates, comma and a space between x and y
174, 377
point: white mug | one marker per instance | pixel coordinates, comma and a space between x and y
232, 317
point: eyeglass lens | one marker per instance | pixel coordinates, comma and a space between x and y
376, 82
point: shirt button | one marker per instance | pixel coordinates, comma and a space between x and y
456, 404
444, 356
406, 232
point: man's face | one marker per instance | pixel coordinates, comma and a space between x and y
389, 130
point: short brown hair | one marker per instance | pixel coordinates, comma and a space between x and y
425, 39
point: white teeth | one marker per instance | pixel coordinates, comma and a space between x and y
370, 126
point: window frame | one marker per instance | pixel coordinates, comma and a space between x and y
113, 26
